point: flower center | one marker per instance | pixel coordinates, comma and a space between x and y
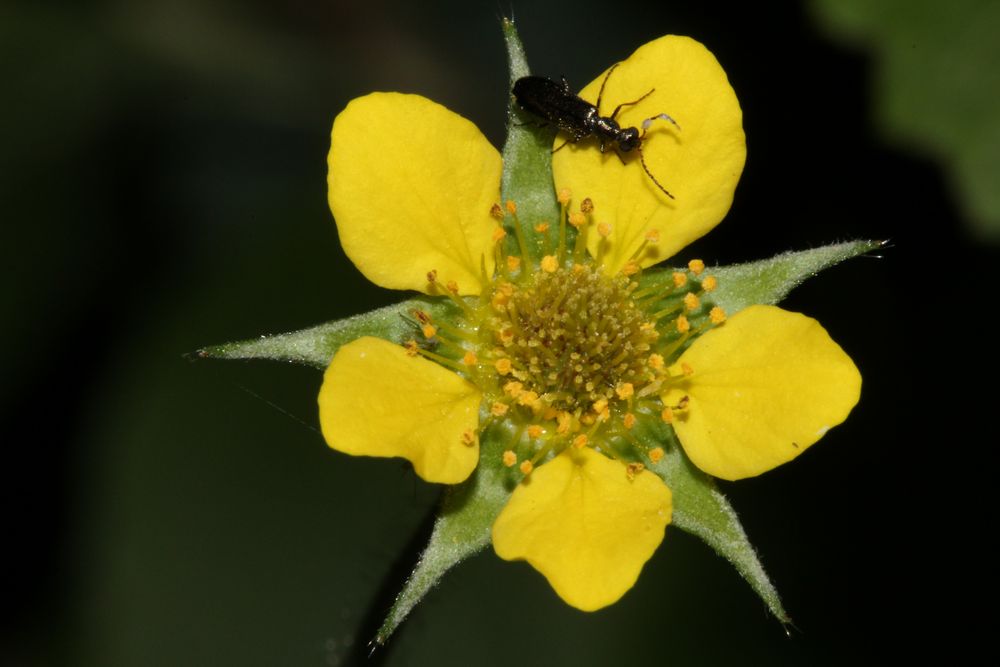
565, 354
573, 337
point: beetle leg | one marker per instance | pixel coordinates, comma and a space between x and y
628, 104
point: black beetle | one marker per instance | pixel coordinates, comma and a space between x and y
555, 103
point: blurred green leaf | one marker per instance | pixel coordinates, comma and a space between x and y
936, 86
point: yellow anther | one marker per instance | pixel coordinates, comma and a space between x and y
647, 326
717, 315
691, 301
503, 366
653, 236
511, 207
499, 300
600, 405
656, 454
527, 398
587, 205
656, 361
625, 390
469, 437
506, 288
578, 269
587, 419
628, 420
550, 413
631, 268
496, 212
667, 415
680, 279
513, 388
577, 219
542, 227
452, 287
709, 283
580, 441
509, 458
563, 196
498, 234
470, 358
432, 276
526, 467
563, 422
507, 336
429, 330
683, 325
534, 431
550, 264
411, 348
513, 263
686, 369
499, 409
633, 469
696, 266
604, 229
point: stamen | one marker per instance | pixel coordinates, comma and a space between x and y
680, 279
717, 315
503, 366
580, 441
633, 469
519, 233
549, 264
534, 431
513, 263
526, 467
667, 415
469, 437
656, 454
691, 301
499, 409
628, 421
509, 458
696, 266
709, 283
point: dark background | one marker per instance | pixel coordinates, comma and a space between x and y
164, 188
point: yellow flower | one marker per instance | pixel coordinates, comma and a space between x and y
563, 354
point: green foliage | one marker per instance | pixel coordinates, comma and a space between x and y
936, 87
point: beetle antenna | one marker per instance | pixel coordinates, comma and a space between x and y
642, 159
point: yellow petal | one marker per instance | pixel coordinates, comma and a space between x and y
411, 185
583, 524
376, 400
767, 384
699, 164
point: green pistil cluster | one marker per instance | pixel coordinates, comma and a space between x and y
573, 336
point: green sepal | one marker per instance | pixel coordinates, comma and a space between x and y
767, 281
462, 527
700, 509
315, 346
527, 165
